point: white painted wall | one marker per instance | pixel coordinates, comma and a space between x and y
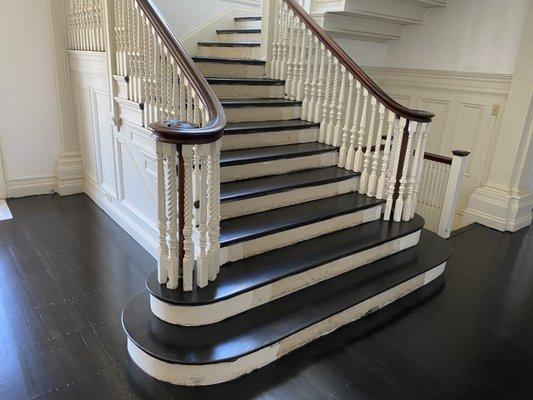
29, 127
366, 54
466, 36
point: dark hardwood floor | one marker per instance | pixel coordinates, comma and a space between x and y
66, 271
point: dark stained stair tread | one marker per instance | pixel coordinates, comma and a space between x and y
267, 102
248, 188
229, 44
261, 154
241, 31
268, 126
247, 227
268, 324
259, 18
225, 60
256, 271
245, 81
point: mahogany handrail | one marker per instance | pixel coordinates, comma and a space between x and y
356, 70
176, 131
438, 158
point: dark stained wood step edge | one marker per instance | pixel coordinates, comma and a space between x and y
267, 102
229, 44
243, 31
224, 60
265, 185
270, 323
271, 153
237, 19
253, 226
253, 272
238, 128
245, 81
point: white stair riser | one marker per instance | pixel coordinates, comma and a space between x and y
249, 91
253, 205
239, 37
195, 375
263, 244
230, 52
277, 167
251, 114
231, 70
265, 139
219, 311
248, 24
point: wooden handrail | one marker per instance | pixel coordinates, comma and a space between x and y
356, 70
438, 158
176, 131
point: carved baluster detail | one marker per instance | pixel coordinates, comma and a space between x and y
214, 209
358, 162
399, 127
172, 216
332, 108
186, 158
380, 192
299, 65
275, 41
350, 154
320, 85
327, 98
162, 265
202, 270
424, 134
341, 107
409, 205
343, 152
314, 83
372, 180
398, 207
308, 78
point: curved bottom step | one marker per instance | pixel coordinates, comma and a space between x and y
225, 351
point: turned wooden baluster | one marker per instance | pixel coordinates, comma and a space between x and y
413, 174
363, 185
162, 265
275, 41
327, 98
171, 188
186, 207
213, 200
308, 78
397, 141
350, 154
305, 47
380, 191
332, 105
314, 88
202, 269
291, 55
321, 81
423, 133
343, 152
358, 162
341, 108
372, 180
406, 159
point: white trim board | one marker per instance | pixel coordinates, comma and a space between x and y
209, 374
5, 212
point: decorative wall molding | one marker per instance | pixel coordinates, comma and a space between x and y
70, 178
31, 186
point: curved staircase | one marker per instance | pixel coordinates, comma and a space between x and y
302, 253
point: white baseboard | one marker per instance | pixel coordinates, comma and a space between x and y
31, 186
69, 174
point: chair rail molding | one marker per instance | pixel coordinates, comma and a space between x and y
69, 167
504, 202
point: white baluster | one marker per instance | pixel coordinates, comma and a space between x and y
363, 185
346, 128
424, 134
162, 265
275, 40
214, 209
321, 82
350, 154
358, 162
372, 180
398, 207
188, 204
299, 65
413, 173
172, 215
202, 271
380, 192
308, 78
314, 83
332, 108
399, 126
341, 107
327, 98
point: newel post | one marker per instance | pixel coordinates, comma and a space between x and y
453, 186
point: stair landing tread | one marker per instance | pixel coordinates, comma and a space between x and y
259, 102
261, 154
247, 274
252, 226
268, 324
241, 30
244, 81
229, 60
230, 44
268, 126
254, 187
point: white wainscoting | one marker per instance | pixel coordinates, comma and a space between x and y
119, 164
464, 105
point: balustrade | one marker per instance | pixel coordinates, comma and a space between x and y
86, 25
